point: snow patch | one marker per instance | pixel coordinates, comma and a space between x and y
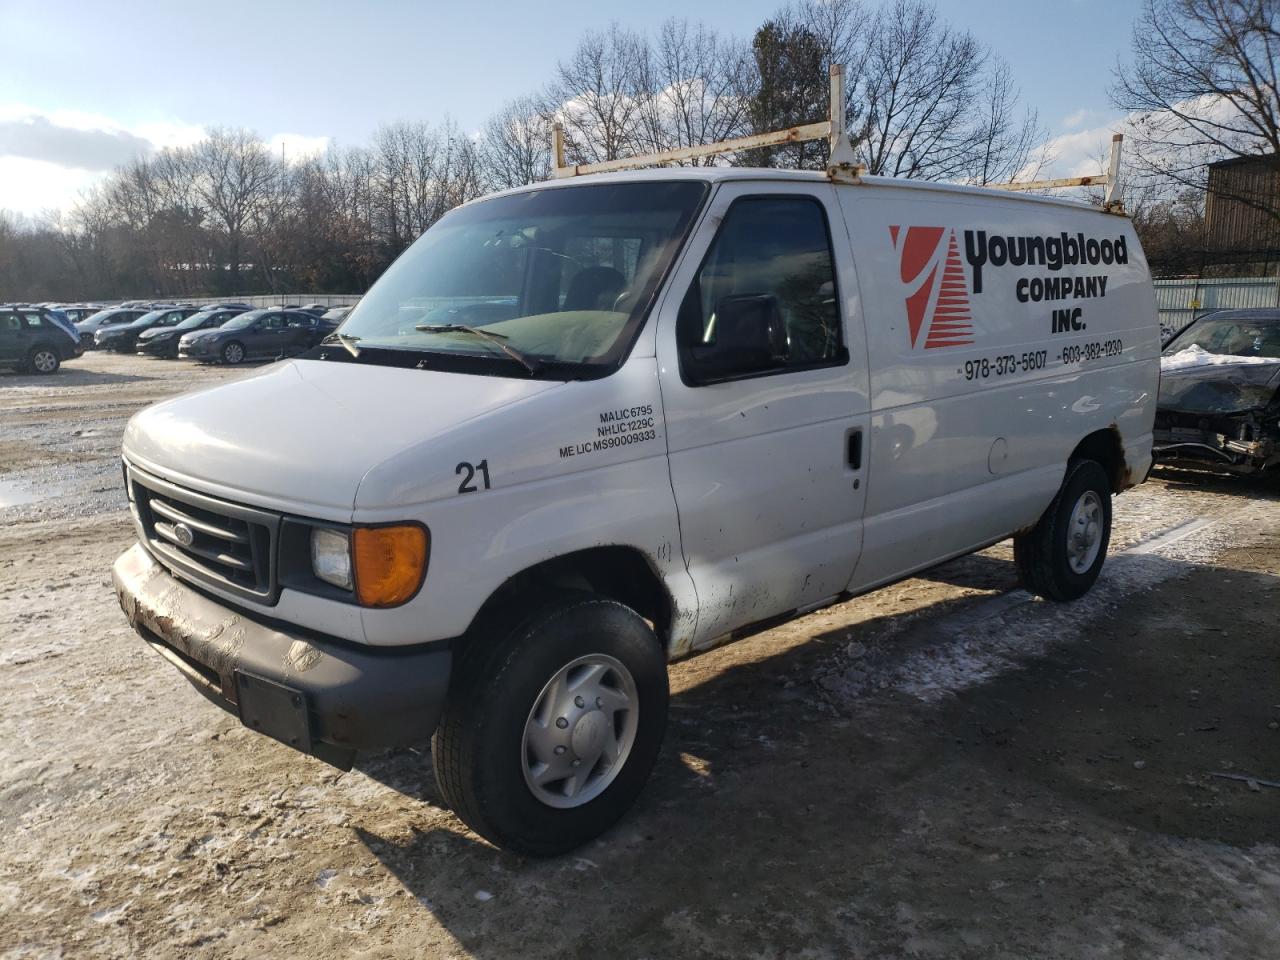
1197, 356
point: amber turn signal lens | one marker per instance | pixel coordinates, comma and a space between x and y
390, 563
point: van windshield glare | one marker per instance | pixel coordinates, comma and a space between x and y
563, 275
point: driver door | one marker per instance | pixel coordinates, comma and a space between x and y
269, 336
12, 342
766, 433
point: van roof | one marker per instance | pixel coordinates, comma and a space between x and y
721, 174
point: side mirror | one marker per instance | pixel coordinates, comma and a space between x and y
744, 335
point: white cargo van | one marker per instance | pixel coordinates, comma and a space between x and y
583, 429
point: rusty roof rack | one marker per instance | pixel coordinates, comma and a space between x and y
1111, 200
841, 167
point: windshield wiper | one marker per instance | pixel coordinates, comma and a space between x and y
348, 341
533, 366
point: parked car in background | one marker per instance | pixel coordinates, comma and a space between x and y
63, 322
30, 340
162, 341
336, 315
110, 317
77, 312
123, 339
1219, 403
256, 334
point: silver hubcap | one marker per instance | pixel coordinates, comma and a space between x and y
1084, 532
580, 731
234, 354
45, 361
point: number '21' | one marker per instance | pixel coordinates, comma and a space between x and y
467, 485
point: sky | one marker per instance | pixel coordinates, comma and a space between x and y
88, 85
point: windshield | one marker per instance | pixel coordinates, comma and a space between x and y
148, 318
196, 319
242, 321
1231, 337
562, 275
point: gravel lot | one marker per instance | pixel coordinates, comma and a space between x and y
944, 768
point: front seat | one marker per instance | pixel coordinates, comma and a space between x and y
594, 288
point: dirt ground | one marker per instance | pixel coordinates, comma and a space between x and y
944, 768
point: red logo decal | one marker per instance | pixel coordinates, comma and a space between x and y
945, 306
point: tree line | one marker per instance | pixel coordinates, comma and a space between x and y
228, 216
923, 100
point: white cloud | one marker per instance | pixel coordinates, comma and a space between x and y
34, 186
297, 146
1073, 120
47, 157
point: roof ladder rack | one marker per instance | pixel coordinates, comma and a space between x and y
842, 166
1111, 200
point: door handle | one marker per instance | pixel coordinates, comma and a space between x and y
853, 448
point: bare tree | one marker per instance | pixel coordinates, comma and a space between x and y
233, 170
693, 89
598, 95
922, 99
938, 105
1203, 86
515, 145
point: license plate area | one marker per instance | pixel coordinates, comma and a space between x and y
274, 709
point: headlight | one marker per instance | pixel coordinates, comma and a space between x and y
381, 566
331, 557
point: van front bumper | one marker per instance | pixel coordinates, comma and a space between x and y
325, 697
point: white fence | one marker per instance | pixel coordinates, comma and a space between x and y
1181, 301
275, 299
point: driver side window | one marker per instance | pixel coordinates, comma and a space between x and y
765, 299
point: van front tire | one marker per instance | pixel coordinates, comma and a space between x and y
1061, 556
549, 735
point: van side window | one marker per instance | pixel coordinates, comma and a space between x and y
764, 300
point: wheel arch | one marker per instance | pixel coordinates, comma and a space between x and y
1106, 448
621, 573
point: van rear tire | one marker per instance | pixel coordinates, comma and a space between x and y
549, 735
1061, 556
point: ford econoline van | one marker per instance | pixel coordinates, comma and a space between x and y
585, 428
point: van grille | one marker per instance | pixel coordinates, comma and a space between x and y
223, 544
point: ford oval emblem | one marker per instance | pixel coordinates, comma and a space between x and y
184, 534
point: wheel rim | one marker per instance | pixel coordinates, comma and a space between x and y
45, 361
580, 731
234, 353
1084, 532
